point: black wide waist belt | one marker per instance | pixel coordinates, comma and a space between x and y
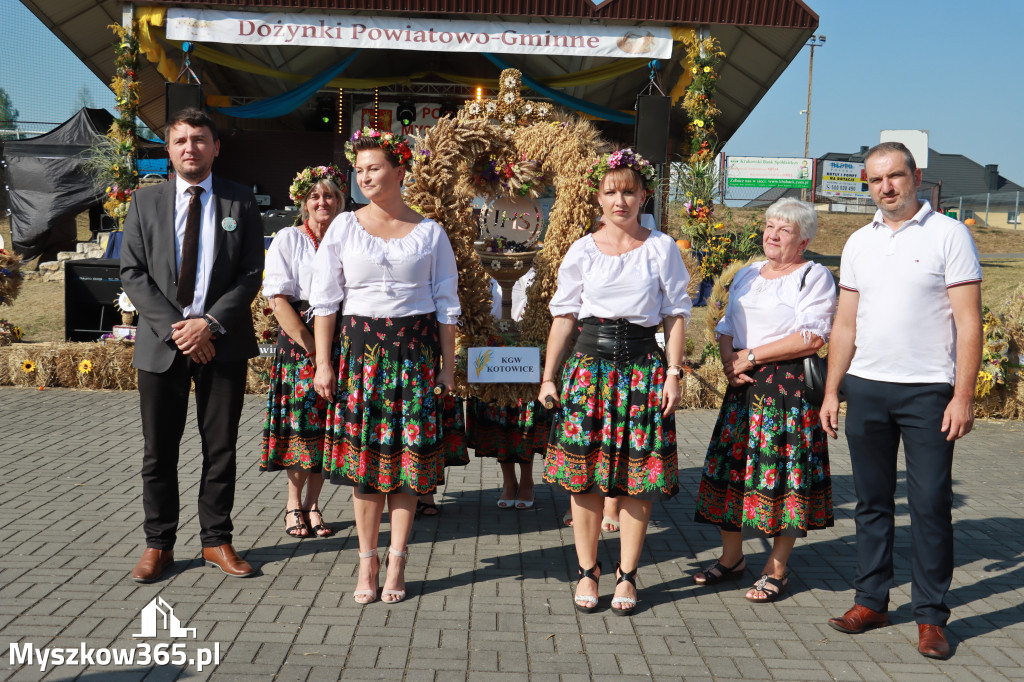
616, 341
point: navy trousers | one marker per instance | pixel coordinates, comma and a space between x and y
878, 415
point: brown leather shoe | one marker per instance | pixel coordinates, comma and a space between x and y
932, 641
226, 559
858, 619
152, 564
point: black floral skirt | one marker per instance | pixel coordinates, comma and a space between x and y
386, 430
293, 428
609, 434
508, 434
766, 472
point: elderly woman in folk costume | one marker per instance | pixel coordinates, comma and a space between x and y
393, 273
615, 423
766, 474
293, 431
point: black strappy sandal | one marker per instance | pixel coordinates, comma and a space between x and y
724, 573
624, 577
301, 525
591, 600
770, 595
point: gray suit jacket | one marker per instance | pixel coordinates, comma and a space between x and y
149, 273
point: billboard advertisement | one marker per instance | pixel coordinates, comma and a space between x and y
844, 179
763, 171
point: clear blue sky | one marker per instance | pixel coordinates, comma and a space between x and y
950, 67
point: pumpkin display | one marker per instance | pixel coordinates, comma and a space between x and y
683, 244
970, 221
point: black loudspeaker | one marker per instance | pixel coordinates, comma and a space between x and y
652, 116
91, 287
181, 96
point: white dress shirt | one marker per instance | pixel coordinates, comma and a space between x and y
643, 286
207, 238
375, 277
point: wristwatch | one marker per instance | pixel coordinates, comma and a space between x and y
750, 357
672, 371
213, 325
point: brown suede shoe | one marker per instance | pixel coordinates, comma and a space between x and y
858, 619
226, 559
152, 564
932, 641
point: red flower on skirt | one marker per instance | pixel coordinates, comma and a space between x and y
571, 429
635, 377
306, 372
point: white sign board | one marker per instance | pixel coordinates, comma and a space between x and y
504, 365
915, 140
418, 33
844, 179
761, 171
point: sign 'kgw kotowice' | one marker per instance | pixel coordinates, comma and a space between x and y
336, 30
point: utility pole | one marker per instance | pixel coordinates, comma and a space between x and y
815, 41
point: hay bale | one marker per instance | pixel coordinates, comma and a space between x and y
5, 370
257, 376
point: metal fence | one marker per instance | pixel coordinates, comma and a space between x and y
993, 209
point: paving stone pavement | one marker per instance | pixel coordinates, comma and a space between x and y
490, 590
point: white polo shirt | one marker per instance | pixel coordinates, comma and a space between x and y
905, 329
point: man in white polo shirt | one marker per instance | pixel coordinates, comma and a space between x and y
907, 339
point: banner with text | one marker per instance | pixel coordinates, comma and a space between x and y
761, 171
418, 33
504, 365
844, 179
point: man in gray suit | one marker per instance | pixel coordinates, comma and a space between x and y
191, 262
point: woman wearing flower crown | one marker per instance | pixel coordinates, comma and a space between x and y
393, 274
293, 431
615, 424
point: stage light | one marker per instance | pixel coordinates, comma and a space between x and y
447, 109
479, 93
406, 112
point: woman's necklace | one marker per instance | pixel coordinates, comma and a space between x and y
316, 242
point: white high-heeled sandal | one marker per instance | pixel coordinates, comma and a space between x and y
399, 594
372, 594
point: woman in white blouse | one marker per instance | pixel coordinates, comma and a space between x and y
766, 474
615, 424
293, 430
393, 274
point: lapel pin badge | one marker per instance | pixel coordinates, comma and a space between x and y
229, 224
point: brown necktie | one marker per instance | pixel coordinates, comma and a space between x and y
190, 248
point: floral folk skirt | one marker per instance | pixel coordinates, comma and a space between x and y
386, 430
767, 471
509, 434
609, 435
293, 429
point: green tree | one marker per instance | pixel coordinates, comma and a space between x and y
8, 116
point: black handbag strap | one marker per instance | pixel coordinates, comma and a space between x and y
803, 280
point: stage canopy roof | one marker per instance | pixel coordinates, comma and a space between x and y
760, 39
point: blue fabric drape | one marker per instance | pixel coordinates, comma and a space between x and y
287, 102
576, 103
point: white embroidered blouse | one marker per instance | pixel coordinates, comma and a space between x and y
376, 277
764, 310
288, 270
643, 286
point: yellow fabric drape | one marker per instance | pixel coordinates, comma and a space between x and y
147, 17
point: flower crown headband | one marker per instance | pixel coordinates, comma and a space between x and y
396, 145
622, 158
308, 178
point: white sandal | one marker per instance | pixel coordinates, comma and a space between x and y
398, 594
372, 594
